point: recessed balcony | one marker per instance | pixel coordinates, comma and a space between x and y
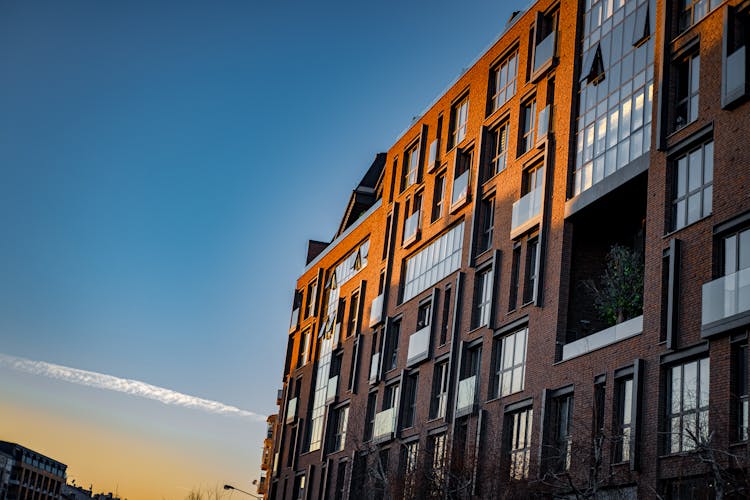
376, 310
291, 410
603, 338
411, 228
526, 212
460, 192
385, 424
726, 303
466, 396
419, 346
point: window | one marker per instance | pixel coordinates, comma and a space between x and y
623, 422
739, 391
460, 192
390, 396
562, 431
735, 44
299, 487
438, 197
411, 167
515, 276
503, 81
341, 420
532, 270
439, 399
437, 456
736, 252
600, 396
304, 348
410, 400
528, 117
510, 363
445, 323
390, 361
434, 262
340, 481
412, 219
687, 413
687, 73
372, 400
409, 455
692, 11
459, 120
693, 186
483, 285
497, 149
518, 444
353, 326
485, 224
424, 315
312, 293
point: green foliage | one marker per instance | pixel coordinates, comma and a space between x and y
620, 295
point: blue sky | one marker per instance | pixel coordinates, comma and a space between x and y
162, 165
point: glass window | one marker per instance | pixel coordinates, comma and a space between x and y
623, 414
411, 167
459, 121
341, 423
410, 400
304, 348
510, 363
312, 293
518, 432
438, 197
692, 11
439, 400
687, 413
482, 298
562, 432
739, 391
372, 400
424, 315
687, 72
391, 349
532, 270
409, 455
434, 262
486, 224
693, 186
503, 81
353, 327
528, 127
497, 147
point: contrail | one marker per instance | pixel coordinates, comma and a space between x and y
128, 386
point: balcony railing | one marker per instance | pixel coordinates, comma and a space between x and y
291, 410
374, 365
460, 189
526, 211
544, 52
294, 321
376, 310
411, 228
603, 338
735, 85
333, 386
419, 345
726, 302
385, 424
466, 395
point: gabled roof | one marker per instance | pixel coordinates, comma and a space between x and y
365, 194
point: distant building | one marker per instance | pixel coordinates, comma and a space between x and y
73, 492
266, 463
26, 474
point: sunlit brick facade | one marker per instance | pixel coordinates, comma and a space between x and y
543, 287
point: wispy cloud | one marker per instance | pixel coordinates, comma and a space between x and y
127, 386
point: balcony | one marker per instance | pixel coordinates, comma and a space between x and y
333, 387
466, 396
385, 424
603, 338
374, 366
543, 54
526, 212
419, 346
543, 127
294, 321
411, 228
291, 410
726, 303
376, 310
735, 77
460, 190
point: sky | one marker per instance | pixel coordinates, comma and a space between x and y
162, 166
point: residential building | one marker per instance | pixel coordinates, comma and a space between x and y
573, 313
26, 474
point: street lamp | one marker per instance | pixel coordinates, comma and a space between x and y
230, 487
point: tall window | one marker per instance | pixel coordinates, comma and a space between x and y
437, 459
532, 270
341, 421
740, 392
434, 262
424, 315
439, 399
736, 252
503, 81
687, 414
459, 121
486, 224
482, 298
438, 197
497, 148
298, 492
510, 363
445, 321
411, 167
623, 415
686, 97
312, 296
693, 187
353, 326
409, 455
390, 360
304, 348
518, 442
692, 11
515, 272
528, 118
390, 396
372, 400
562, 432
410, 400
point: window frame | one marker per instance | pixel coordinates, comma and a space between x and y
508, 90
459, 121
682, 413
705, 185
501, 370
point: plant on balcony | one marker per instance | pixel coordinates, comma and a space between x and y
619, 295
